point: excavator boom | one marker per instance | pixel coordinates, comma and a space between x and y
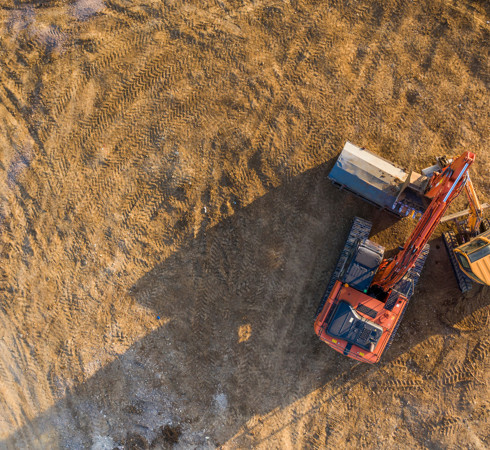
443, 188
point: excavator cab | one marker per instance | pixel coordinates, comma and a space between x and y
474, 258
349, 325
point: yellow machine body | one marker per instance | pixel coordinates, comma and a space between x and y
474, 258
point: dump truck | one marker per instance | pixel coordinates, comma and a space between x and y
367, 294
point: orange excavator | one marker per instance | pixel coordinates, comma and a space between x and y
367, 295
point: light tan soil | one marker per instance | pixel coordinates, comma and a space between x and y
167, 228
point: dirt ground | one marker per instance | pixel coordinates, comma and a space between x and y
167, 227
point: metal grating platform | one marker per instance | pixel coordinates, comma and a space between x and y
368, 311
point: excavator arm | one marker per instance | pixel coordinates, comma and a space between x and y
442, 188
476, 209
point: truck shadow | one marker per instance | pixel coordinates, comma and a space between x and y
237, 303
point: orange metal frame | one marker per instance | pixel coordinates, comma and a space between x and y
386, 319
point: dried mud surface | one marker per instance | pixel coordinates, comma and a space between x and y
167, 228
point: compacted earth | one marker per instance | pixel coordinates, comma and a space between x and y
167, 228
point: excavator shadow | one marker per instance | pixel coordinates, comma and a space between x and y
237, 341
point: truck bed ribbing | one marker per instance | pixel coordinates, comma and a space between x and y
378, 181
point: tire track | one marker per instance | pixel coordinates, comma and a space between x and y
121, 97
135, 39
477, 321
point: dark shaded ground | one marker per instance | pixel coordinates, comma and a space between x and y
194, 373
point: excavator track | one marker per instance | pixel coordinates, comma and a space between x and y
406, 287
464, 283
360, 230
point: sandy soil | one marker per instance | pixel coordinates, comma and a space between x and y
167, 228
